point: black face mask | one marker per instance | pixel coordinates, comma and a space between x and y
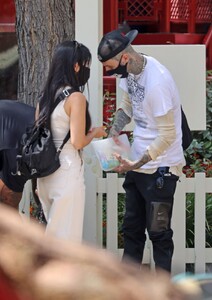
120, 71
84, 75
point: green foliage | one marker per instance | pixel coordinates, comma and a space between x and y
190, 233
199, 154
209, 220
199, 159
190, 220
121, 211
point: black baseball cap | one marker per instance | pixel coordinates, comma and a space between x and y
113, 43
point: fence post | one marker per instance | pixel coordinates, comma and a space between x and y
199, 227
178, 226
112, 211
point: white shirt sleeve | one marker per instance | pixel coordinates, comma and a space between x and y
166, 135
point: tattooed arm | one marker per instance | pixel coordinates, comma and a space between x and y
142, 161
166, 136
122, 117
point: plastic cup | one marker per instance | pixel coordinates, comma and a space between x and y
105, 149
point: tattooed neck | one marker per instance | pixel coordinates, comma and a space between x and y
136, 64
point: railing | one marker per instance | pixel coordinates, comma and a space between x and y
183, 10
199, 256
190, 12
135, 10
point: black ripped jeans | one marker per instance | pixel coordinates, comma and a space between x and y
149, 203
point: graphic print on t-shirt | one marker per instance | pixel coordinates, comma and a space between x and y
137, 94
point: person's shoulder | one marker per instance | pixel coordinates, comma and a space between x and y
75, 99
76, 96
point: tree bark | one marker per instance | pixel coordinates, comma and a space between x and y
40, 26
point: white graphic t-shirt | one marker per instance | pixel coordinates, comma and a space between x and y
152, 94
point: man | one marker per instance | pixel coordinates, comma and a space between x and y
151, 98
15, 117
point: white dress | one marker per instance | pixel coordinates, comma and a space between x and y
62, 193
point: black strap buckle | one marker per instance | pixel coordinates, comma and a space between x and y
66, 92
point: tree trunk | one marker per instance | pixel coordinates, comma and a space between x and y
40, 26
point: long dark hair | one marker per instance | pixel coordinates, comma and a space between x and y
62, 74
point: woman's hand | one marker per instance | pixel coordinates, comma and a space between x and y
98, 132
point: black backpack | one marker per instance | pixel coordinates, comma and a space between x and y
187, 137
38, 156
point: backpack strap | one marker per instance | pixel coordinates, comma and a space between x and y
65, 93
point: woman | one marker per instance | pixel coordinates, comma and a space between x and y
62, 193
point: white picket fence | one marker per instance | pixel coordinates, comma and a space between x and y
200, 256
